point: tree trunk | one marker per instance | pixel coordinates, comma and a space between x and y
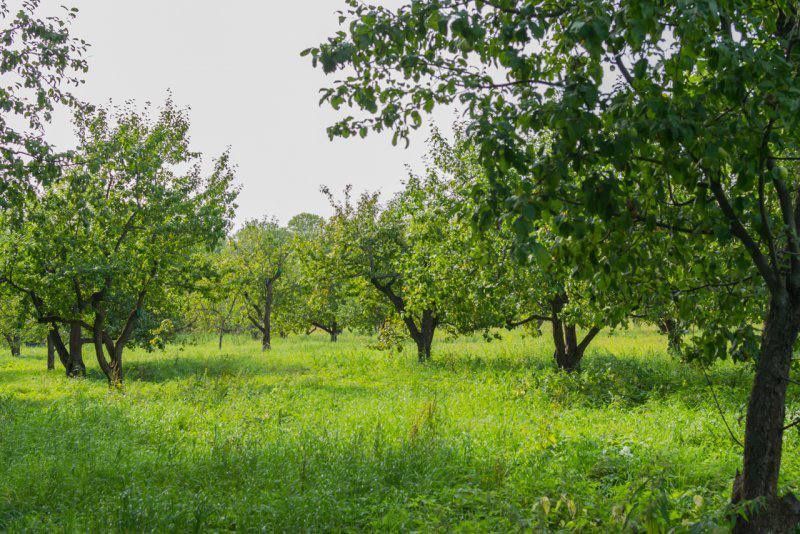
565, 338
266, 333
51, 352
763, 440
75, 366
115, 378
335, 331
424, 336
568, 350
568, 353
14, 344
266, 343
221, 334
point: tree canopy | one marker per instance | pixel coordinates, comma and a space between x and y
678, 115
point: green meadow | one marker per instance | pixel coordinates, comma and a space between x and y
317, 436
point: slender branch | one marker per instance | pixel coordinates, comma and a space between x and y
719, 408
529, 319
770, 276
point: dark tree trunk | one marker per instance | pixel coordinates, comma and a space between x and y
266, 342
568, 353
75, 367
266, 332
51, 352
763, 441
221, 334
568, 350
335, 331
423, 336
115, 378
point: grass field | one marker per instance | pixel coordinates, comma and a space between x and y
315, 436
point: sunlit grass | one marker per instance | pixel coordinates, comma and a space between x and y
320, 436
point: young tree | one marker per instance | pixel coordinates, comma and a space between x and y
328, 297
664, 115
511, 283
260, 254
374, 243
124, 228
217, 306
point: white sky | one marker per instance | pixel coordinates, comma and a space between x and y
236, 64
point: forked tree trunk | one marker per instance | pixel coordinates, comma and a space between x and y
71, 355
569, 350
763, 441
333, 330
568, 354
423, 335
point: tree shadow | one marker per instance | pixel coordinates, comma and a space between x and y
606, 378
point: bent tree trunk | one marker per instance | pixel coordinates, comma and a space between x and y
421, 333
568, 350
763, 441
261, 317
71, 357
333, 330
103, 342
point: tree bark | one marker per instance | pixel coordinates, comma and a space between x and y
333, 331
568, 350
51, 352
423, 336
423, 333
266, 332
75, 366
764, 429
221, 334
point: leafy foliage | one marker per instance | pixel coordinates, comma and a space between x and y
39, 61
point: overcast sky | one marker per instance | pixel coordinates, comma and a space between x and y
236, 64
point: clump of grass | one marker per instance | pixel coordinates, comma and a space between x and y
321, 436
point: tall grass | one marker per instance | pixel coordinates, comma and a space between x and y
315, 436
